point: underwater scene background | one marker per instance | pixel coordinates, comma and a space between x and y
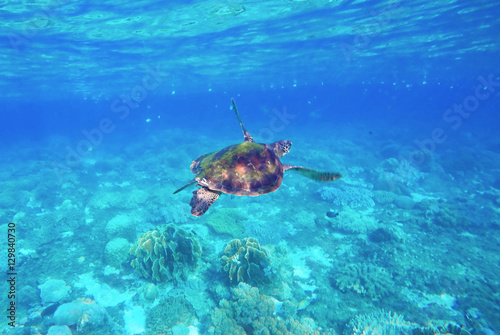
104, 106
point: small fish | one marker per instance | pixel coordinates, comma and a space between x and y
306, 302
303, 304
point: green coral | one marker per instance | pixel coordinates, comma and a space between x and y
365, 279
246, 261
168, 253
227, 221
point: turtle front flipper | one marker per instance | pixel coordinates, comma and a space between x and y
246, 135
312, 174
202, 199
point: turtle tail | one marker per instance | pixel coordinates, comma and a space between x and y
313, 174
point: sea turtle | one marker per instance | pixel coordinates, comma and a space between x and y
247, 168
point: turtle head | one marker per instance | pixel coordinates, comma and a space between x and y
281, 148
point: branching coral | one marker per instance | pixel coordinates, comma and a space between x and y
390, 323
380, 322
397, 175
166, 254
442, 327
365, 279
246, 261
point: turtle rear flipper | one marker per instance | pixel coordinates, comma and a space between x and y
202, 199
312, 174
187, 185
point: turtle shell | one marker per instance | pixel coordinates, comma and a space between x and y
247, 168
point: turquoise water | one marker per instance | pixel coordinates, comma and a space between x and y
105, 106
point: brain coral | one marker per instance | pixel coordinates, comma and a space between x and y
121, 225
365, 279
166, 253
246, 261
116, 252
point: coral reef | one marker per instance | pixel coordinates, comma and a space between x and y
246, 261
115, 252
54, 290
250, 312
59, 330
84, 313
50, 226
168, 253
348, 196
195, 290
270, 232
118, 197
168, 313
378, 323
404, 202
380, 235
383, 197
365, 279
227, 221
447, 216
397, 176
121, 226
476, 320
439, 327
355, 221
150, 291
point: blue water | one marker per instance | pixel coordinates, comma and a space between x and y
104, 106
